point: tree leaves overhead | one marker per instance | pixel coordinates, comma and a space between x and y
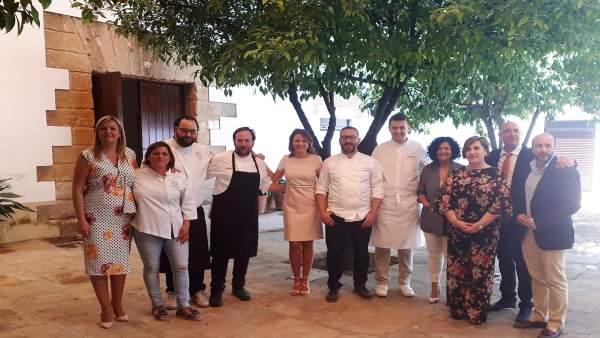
470, 60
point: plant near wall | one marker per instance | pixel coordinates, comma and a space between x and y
8, 205
15, 13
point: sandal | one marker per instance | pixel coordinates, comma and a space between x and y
188, 313
160, 313
305, 290
297, 286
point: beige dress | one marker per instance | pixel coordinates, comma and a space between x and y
300, 216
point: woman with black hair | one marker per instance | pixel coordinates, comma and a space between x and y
442, 151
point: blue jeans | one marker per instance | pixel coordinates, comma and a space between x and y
150, 247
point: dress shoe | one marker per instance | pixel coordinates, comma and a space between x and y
502, 304
547, 333
407, 291
524, 314
363, 292
332, 295
242, 294
200, 299
216, 299
382, 290
527, 324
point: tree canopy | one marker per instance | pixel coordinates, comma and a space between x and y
464, 59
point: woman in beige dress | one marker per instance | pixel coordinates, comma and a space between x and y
302, 224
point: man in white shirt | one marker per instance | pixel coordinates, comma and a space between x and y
192, 160
240, 179
348, 196
397, 225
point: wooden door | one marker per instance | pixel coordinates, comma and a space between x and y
160, 105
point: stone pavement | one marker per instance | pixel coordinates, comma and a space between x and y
45, 293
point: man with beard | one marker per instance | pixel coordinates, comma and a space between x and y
512, 162
240, 178
397, 227
348, 196
192, 159
544, 205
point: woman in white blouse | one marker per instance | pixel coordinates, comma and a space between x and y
165, 208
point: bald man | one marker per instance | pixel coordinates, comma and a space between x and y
544, 206
512, 162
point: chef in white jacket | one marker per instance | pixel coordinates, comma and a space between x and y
397, 225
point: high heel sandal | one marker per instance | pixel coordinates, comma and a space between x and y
433, 300
305, 289
297, 286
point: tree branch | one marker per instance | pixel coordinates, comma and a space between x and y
293, 97
330, 105
362, 79
536, 114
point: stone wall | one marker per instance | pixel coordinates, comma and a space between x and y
83, 49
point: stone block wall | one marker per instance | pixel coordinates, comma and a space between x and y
83, 49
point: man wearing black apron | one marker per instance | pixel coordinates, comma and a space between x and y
240, 177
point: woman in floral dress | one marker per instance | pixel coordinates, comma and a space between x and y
472, 199
104, 206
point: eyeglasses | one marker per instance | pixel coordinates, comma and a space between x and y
348, 138
188, 131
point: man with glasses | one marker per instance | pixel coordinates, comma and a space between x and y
192, 159
397, 224
348, 196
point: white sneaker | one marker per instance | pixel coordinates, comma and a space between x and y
407, 291
200, 299
382, 290
171, 303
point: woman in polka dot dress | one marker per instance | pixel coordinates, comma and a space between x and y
104, 206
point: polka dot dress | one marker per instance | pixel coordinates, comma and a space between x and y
109, 207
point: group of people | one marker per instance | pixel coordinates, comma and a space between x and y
515, 202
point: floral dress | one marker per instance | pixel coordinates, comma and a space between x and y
108, 207
470, 271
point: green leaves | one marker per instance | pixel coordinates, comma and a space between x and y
7, 203
19, 14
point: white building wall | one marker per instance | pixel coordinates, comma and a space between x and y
26, 92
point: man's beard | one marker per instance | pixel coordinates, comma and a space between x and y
545, 159
347, 150
243, 151
185, 141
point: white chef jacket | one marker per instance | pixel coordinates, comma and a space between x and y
513, 161
221, 168
397, 225
193, 162
163, 202
349, 184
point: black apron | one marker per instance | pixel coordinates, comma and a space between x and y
234, 216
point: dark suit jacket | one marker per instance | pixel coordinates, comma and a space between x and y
510, 229
556, 198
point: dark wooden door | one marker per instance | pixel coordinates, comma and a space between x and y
160, 105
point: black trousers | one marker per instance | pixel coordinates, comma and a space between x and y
196, 281
512, 266
336, 238
218, 272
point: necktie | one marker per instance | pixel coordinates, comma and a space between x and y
505, 165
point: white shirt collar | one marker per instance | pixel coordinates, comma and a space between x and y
515, 151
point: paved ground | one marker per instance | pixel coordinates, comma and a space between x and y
44, 293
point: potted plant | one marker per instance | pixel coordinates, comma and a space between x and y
8, 205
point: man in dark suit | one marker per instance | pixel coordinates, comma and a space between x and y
513, 162
544, 205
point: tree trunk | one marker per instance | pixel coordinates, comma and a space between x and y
537, 113
385, 106
293, 97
